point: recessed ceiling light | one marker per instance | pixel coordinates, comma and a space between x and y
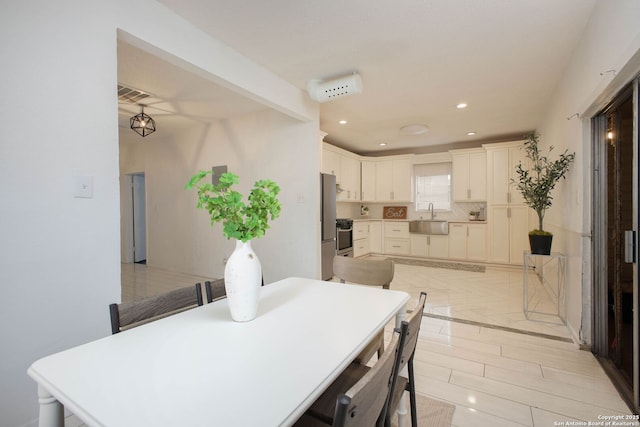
382, 144
343, 122
471, 133
461, 105
417, 129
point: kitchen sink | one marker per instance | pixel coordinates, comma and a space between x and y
426, 226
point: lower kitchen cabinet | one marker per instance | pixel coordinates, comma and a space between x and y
396, 238
361, 247
509, 233
429, 246
396, 246
375, 237
360, 238
468, 241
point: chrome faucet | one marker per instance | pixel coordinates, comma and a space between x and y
433, 215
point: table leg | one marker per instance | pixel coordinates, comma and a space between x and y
51, 411
401, 411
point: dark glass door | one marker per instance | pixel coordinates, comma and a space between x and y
615, 242
620, 211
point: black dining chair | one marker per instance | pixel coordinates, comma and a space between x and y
370, 272
408, 352
360, 395
130, 314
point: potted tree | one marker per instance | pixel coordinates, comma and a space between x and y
243, 222
535, 184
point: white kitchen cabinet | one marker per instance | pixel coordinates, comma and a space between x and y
509, 232
457, 241
419, 245
429, 246
396, 238
361, 247
477, 242
375, 237
368, 181
350, 182
393, 180
402, 174
360, 230
502, 160
468, 241
384, 180
331, 163
508, 216
360, 238
469, 180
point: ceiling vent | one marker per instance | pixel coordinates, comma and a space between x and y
333, 89
130, 95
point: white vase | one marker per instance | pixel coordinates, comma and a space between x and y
242, 282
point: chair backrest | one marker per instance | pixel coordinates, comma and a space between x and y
366, 402
130, 314
215, 290
371, 272
413, 320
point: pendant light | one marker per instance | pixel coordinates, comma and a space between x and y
142, 123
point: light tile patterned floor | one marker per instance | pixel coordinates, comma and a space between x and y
494, 377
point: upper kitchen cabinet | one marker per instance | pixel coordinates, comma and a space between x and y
502, 160
350, 182
331, 163
346, 167
393, 180
469, 170
368, 180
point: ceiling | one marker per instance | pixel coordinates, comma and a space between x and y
418, 59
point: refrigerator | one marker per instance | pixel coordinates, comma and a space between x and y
328, 223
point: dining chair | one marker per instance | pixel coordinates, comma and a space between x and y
408, 352
370, 272
215, 289
360, 395
134, 313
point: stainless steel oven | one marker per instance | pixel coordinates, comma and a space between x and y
344, 237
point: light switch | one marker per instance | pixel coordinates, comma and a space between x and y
83, 187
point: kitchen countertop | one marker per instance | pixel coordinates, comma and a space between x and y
464, 221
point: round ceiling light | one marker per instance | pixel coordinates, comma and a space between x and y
418, 129
461, 105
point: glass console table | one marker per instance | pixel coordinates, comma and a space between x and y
544, 298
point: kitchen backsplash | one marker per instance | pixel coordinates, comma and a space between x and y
459, 211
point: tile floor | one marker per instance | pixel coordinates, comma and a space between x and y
495, 377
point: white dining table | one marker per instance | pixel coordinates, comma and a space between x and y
200, 368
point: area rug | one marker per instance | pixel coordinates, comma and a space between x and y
431, 412
441, 264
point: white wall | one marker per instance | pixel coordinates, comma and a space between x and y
60, 255
254, 147
610, 41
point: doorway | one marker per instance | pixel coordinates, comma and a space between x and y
615, 242
134, 218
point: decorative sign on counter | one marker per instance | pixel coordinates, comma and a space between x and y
394, 212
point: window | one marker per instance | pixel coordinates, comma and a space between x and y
433, 185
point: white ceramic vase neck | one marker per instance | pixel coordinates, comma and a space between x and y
242, 280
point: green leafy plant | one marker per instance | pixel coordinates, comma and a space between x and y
240, 220
536, 182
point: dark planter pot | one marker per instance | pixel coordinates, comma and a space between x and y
540, 244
